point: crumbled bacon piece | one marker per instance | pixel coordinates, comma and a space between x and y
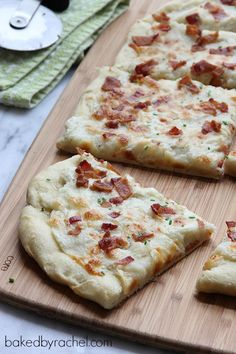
187, 82
114, 214
123, 139
202, 67
105, 204
112, 124
177, 64
122, 186
76, 231
231, 232
161, 100
142, 70
142, 41
111, 83
85, 170
108, 226
142, 236
100, 186
221, 106
208, 108
230, 66
164, 27
193, 19
231, 224
227, 51
229, 2
74, 219
161, 17
142, 105
81, 182
216, 11
175, 131
210, 38
212, 126
160, 210
116, 200
109, 243
125, 261
108, 135
193, 31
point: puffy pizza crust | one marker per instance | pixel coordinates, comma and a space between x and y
176, 45
230, 164
178, 10
148, 142
53, 198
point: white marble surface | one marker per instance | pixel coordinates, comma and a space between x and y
18, 128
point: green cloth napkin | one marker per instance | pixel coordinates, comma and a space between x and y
27, 77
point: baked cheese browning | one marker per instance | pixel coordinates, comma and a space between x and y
178, 49
172, 125
219, 271
230, 164
104, 250
209, 14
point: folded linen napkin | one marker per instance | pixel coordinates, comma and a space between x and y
27, 77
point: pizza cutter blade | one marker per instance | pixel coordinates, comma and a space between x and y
27, 26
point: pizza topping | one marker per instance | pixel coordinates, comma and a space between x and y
175, 131
203, 67
177, 64
231, 232
111, 83
162, 210
122, 187
216, 11
211, 107
212, 126
227, 51
231, 224
108, 227
76, 231
164, 27
190, 86
142, 105
90, 267
142, 236
230, 66
125, 261
123, 139
203, 40
74, 219
108, 135
223, 107
114, 214
142, 70
112, 124
229, 2
109, 243
161, 100
145, 40
116, 200
100, 186
85, 170
193, 19
161, 17
193, 31
81, 182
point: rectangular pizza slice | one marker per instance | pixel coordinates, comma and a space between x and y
213, 15
169, 50
180, 126
102, 234
219, 272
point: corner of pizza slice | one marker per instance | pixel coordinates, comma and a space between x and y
166, 49
180, 126
102, 234
230, 164
219, 272
217, 15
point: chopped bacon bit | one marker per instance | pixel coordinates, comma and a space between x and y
142, 70
142, 105
105, 204
230, 66
122, 187
202, 67
231, 224
161, 100
136, 48
125, 261
85, 170
116, 200
175, 131
82, 182
223, 107
84, 165
76, 231
216, 11
90, 267
164, 27
109, 243
160, 210
212, 126
112, 124
229, 2
145, 40
142, 236
111, 83
107, 135
187, 82
74, 219
208, 108
102, 186
210, 38
114, 214
227, 51
136, 95
123, 139
177, 64
193, 31
231, 232
193, 19
108, 227
161, 17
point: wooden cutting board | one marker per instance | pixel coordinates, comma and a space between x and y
165, 313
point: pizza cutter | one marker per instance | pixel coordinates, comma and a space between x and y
27, 25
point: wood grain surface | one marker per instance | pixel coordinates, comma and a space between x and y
165, 313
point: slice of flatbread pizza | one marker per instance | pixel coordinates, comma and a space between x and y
209, 14
230, 164
219, 272
101, 234
169, 50
180, 126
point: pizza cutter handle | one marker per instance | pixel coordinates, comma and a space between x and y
24, 13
